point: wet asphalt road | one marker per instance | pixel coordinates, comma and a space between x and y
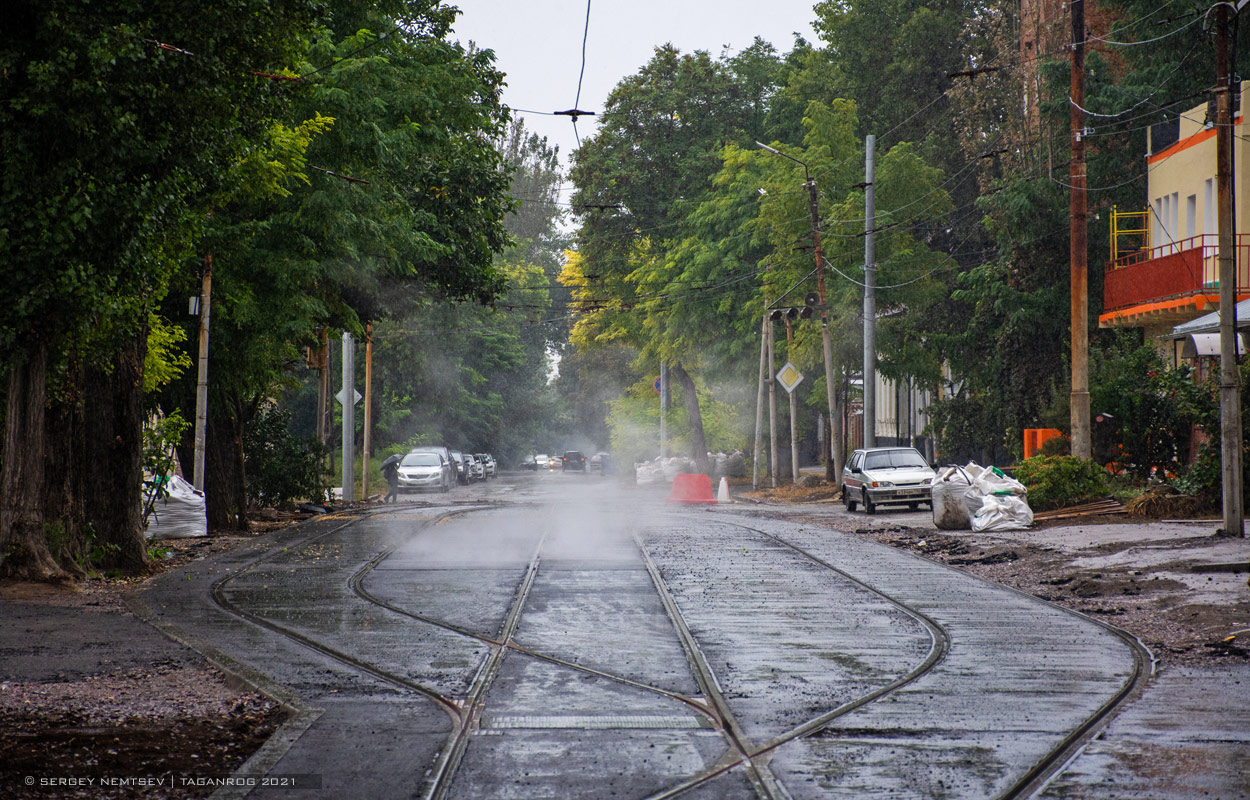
555, 635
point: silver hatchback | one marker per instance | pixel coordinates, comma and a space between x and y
881, 475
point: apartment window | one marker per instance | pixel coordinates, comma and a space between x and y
1191, 217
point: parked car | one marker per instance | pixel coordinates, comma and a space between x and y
488, 462
449, 463
573, 460
425, 470
601, 462
882, 475
477, 470
529, 462
462, 467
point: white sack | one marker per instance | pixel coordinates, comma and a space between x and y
1008, 512
949, 511
181, 515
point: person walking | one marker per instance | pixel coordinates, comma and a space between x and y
390, 471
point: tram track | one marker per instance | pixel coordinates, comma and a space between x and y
465, 712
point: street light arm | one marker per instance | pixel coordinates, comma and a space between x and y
775, 151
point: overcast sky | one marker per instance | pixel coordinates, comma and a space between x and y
538, 44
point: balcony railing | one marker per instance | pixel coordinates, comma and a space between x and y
1185, 268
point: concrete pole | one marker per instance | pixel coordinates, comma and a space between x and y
349, 418
759, 405
870, 292
368, 443
201, 386
772, 409
1079, 401
794, 411
1230, 378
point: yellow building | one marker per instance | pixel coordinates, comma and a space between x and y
1172, 276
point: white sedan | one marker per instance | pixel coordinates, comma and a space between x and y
881, 475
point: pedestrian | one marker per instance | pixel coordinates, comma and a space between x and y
390, 471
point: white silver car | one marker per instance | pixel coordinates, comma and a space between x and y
882, 475
423, 470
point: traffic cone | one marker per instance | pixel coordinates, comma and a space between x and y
722, 494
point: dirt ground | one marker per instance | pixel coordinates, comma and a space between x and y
88, 690
1183, 616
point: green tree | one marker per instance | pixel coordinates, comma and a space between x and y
115, 120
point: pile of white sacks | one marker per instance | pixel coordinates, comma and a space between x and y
980, 498
664, 470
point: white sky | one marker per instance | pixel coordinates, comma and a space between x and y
538, 44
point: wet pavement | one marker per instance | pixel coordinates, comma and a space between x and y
519, 641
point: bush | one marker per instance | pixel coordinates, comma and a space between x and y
1059, 481
281, 467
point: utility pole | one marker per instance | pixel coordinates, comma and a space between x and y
772, 409
368, 443
833, 465
1079, 400
349, 418
794, 410
759, 405
201, 386
323, 385
870, 292
663, 410
1230, 377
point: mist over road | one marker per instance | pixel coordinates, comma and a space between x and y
559, 635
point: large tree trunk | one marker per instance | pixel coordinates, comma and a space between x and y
63, 510
113, 458
225, 483
23, 547
698, 443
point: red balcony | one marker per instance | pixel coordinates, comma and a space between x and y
1169, 284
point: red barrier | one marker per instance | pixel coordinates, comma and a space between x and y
692, 489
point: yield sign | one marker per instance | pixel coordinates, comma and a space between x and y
789, 377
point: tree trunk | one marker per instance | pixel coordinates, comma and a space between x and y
23, 548
113, 458
63, 509
225, 484
698, 444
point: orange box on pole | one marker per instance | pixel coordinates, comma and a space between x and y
1034, 438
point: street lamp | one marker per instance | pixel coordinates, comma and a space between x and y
833, 460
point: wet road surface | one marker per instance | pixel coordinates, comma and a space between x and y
557, 636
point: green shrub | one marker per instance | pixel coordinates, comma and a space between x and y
1059, 481
280, 466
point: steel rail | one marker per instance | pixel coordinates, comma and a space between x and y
1045, 768
939, 647
761, 777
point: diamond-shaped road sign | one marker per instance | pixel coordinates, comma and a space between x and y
789, 377
339, 396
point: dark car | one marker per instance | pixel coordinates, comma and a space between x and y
573, 460
529, 462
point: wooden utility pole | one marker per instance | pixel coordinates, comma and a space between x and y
794, 410
1230, 377
759, 404
833, 464
772, 409
1079, 399
201, 386
368, 435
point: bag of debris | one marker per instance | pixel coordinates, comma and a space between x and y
1002, 512
949, 510
180, 515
